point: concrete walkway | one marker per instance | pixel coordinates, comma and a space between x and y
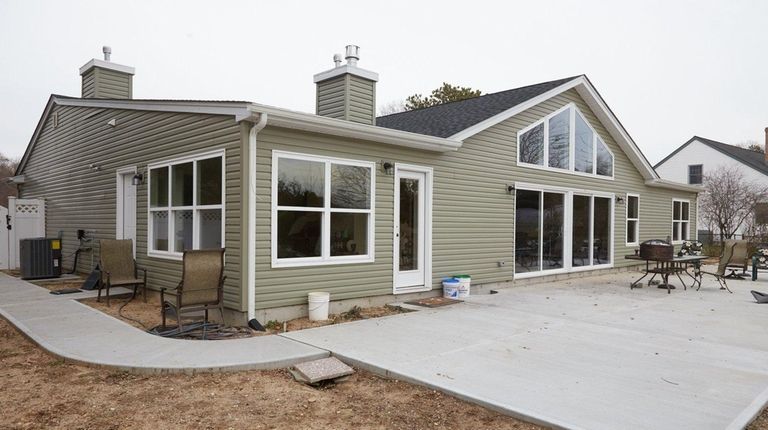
581, 354
79, 333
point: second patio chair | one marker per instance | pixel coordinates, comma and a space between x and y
722, 266
739, 258
201, 287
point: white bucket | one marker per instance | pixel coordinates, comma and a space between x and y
464, 287
451, 288
318, 305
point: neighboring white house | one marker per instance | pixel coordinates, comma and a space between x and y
690, 162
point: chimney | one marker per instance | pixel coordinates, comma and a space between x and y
104, 79
347, 91
766, 144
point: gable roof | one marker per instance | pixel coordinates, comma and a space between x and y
755, 160
447, 119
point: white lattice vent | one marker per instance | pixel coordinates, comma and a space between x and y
28, 209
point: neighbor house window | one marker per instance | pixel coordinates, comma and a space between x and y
680, 220
564, 140
186, 205
695, 172
322, 210
633, 219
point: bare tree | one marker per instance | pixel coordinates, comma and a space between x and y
752, 145
395, 106
7, 169
729, 199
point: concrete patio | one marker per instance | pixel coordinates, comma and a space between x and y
581, 354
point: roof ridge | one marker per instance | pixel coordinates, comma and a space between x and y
480, 96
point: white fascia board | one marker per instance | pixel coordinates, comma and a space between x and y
336, 127
352, 70
107, 65
598, 106
671, 185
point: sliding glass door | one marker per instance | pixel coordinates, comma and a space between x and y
539, 225
561, 231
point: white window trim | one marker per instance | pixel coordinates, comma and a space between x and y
571, 146
173, 255
568, 229
674, 222
628, 219
325, 258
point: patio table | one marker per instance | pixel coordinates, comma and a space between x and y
666, 267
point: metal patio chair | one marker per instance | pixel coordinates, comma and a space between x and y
722, 266
201, 286
739, 258
118, 267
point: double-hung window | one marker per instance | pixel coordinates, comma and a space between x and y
695, 174
322, 210
680, 220
186, 205
633, 219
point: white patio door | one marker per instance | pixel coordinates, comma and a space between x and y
412, 229
126, 206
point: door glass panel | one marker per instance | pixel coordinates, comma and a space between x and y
602, 231
409, 224
527, 215
580, 245
552, 252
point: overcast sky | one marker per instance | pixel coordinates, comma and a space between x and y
668, 69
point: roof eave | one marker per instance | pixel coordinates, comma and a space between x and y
671, 185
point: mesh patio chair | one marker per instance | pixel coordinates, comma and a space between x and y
722, 266
739, 258
201, 286
759, 260
118, 267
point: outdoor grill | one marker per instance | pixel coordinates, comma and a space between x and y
656, 249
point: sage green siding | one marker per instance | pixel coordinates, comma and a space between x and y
81, 197
107, 84
347, 97
473, 215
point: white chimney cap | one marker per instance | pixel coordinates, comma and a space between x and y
337, 60
107, 52
353, 54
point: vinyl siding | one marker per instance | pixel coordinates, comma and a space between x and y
473, 215
347, 97
106, 84
80, 197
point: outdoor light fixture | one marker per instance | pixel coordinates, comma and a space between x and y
138, 179
389, 167
619, 199
510, 189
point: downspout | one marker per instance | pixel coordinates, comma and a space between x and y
251, 240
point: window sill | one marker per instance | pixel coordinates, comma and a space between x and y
279, 264
175, 256
564, 171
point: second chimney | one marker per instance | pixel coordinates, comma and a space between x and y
104, 79
347, 91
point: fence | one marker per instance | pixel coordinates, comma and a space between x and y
713, 242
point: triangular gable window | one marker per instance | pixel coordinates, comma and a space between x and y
564, 141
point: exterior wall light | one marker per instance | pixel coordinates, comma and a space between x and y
619, 199
138, 179
510, 189
389, 167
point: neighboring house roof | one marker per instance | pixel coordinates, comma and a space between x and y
447, 119
753, 159
484, 111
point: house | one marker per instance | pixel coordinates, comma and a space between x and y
526, 184
692, 160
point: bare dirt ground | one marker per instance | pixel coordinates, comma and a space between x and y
40, 392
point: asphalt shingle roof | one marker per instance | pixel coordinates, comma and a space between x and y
753, 159
447, 119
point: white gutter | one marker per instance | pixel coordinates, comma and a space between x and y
671, 185
251, 215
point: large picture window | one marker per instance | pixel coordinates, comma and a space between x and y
565, 141
322, 210
681, 215
186, 205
